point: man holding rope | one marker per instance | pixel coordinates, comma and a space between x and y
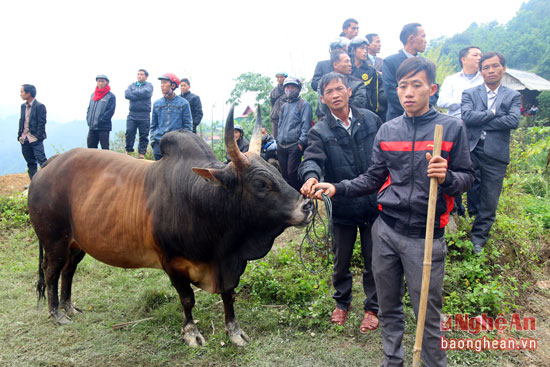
402, 166
340, 147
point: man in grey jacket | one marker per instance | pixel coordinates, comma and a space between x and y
139, 118
294, 124
277, 98
490, 111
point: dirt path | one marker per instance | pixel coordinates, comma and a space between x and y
14, 183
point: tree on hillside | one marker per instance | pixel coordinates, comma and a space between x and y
444, 63
524, 40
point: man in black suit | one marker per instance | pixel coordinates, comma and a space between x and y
413, 38
32, 129
490, 111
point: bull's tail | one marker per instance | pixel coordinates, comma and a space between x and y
41, 285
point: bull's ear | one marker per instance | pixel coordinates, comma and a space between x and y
216, 177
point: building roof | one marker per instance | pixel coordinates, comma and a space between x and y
520, 80
246, 112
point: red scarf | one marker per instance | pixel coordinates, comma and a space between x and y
100, 93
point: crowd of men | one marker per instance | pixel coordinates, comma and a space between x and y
371, 147
369, 151
170, 113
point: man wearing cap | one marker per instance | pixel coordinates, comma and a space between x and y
277, 98
100, 111
170, 113
139, 94
242, 141
294, 124
194, 102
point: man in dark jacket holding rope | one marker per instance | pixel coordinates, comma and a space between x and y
339, 148
402, 166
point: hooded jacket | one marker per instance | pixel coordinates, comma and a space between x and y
399, 172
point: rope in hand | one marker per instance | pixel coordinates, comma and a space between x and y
318, 237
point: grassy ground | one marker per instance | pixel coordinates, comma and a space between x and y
109, 296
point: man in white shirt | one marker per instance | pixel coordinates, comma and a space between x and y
450, 95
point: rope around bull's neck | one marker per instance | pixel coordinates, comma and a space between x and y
318, 237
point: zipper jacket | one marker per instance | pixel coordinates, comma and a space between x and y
333, 154
100, 112
399, 172
140, 99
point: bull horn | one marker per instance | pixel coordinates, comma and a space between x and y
239, 159
256, 139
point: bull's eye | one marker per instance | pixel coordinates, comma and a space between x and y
260, 185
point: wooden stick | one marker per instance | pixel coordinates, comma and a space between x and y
121, 325
428, 244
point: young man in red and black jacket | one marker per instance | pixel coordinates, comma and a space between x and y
401, 170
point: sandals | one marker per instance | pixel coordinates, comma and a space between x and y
369, 323
339, 316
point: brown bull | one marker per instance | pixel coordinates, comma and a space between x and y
200, 225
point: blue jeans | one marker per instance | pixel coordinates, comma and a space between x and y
156, 150
33, 154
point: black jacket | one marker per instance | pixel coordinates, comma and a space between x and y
101, 112
243, 145
389, 71
358, 97
373, 85
196, 108
333, 155
37, 120
140, 99
322, 68
399, 172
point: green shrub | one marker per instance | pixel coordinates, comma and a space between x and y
14, 212
281, 280
543, 100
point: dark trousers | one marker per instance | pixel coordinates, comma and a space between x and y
289, 160
98, 136
156, 150
395, 255
484, 194
134, 124
33, 154
344, 242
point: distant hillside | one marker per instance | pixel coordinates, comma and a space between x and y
61, 137
524, 40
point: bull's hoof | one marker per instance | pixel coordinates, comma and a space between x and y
236, 335
192, 336
60, 318
72, 310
